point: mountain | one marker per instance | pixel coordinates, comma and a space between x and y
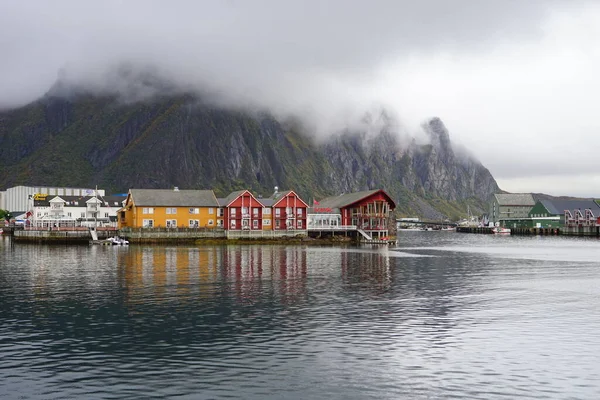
178, 140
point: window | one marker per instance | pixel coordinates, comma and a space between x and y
194, 211
299, 212
105, 215
277, 224
83, 215
211, 211
288, 210
233, 224
232, 211
171, 210
148, 210
171, 223
299, 224
69, 214
255, 224
255, 211
148, 223
244, 211
266, 222
277, 212
219, 212
220, 223
194, 223
266, 211
211, 222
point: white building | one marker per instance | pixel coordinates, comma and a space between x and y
18, 198
72, 211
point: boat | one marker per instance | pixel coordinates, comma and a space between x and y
449, 229
111, 241
499, 230
117, 241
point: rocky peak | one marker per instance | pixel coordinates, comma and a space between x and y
438, 134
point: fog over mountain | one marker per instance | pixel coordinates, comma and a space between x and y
514, 81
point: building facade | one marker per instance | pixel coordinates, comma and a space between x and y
73, 211
551, 213
166, 208
367, 211
510, 209
242, 211
18, 198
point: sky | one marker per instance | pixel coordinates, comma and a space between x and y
515, 82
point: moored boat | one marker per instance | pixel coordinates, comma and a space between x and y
500, 230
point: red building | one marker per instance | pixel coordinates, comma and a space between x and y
242, 211
368, 210
288, 210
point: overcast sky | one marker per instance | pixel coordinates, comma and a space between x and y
516, 82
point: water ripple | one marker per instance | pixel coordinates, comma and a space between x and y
261, 322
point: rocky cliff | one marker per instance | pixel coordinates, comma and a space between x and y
171, 141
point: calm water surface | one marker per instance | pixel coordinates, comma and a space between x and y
441, 316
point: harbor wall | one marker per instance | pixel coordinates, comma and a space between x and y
60, 235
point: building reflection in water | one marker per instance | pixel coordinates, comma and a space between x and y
247, 272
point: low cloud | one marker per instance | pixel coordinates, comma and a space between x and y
513, 81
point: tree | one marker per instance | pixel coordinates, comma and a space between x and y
5, 214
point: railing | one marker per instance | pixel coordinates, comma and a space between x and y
332, 227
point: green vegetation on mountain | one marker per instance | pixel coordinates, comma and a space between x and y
179, 141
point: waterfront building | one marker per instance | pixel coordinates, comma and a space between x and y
169, 208
511, 209
242, 211
367, 212
48, 211
18, 198
288, 212
551, 213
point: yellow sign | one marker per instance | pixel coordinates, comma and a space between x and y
40, 196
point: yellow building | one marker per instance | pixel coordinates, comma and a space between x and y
164, 208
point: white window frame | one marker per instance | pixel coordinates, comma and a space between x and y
148, 223
299, 224
220, 212
266, 211
255, 211
148, 210
171, 223
232, 224
255, 224
194, 210
266, 222
211, 211
232, 211
171, 210
299, 212
194, 223
220, 223
277, 212
211, 222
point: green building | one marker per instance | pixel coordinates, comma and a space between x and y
511, 210
551, 213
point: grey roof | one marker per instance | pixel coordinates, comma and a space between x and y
231, 197
515, 199
174, 198
558, 207
267, 202
345, 200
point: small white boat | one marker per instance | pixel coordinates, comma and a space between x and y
117, 241
498, 230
